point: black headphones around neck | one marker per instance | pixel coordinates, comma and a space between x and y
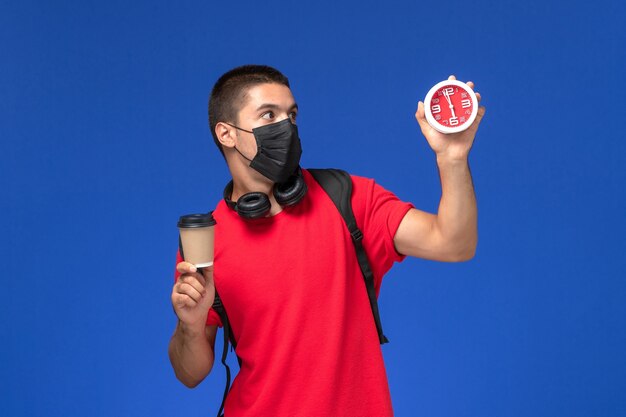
256, 204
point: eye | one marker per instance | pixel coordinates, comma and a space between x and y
293, 115
268, 115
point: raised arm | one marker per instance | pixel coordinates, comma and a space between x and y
450, 235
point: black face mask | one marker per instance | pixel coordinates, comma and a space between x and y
278, 150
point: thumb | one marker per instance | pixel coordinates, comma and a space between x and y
420, 115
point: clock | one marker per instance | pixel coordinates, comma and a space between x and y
450, 106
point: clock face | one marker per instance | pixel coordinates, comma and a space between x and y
450, 106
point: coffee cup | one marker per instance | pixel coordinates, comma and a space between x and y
197, 233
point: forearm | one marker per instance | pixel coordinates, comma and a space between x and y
191, 354
456, 220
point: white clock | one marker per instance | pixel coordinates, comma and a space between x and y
450, 106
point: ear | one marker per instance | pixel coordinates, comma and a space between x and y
225, 135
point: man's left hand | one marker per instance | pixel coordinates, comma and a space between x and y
454, 146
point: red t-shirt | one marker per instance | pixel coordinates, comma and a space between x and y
297, 304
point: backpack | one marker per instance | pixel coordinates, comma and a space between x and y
338, 185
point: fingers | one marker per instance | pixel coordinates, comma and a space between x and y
471, 85
419, 113
479, 117
481, 109
481, 113
187, 292
196, 283
183, 300
186, 267
196, 275
420, 116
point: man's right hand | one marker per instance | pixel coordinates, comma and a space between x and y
192, 344
193, 295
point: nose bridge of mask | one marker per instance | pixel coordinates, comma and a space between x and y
268, 131
265, 132
260, 129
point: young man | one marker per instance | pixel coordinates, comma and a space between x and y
288, 275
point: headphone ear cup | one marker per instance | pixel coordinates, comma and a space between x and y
253, 205
291, 192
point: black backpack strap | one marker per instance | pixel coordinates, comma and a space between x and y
221, 311
338, 185
228, 337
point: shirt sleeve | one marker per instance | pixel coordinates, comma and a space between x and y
213, 319
378, 214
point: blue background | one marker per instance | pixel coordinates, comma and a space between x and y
104, 143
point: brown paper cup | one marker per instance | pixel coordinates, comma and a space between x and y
197, 234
